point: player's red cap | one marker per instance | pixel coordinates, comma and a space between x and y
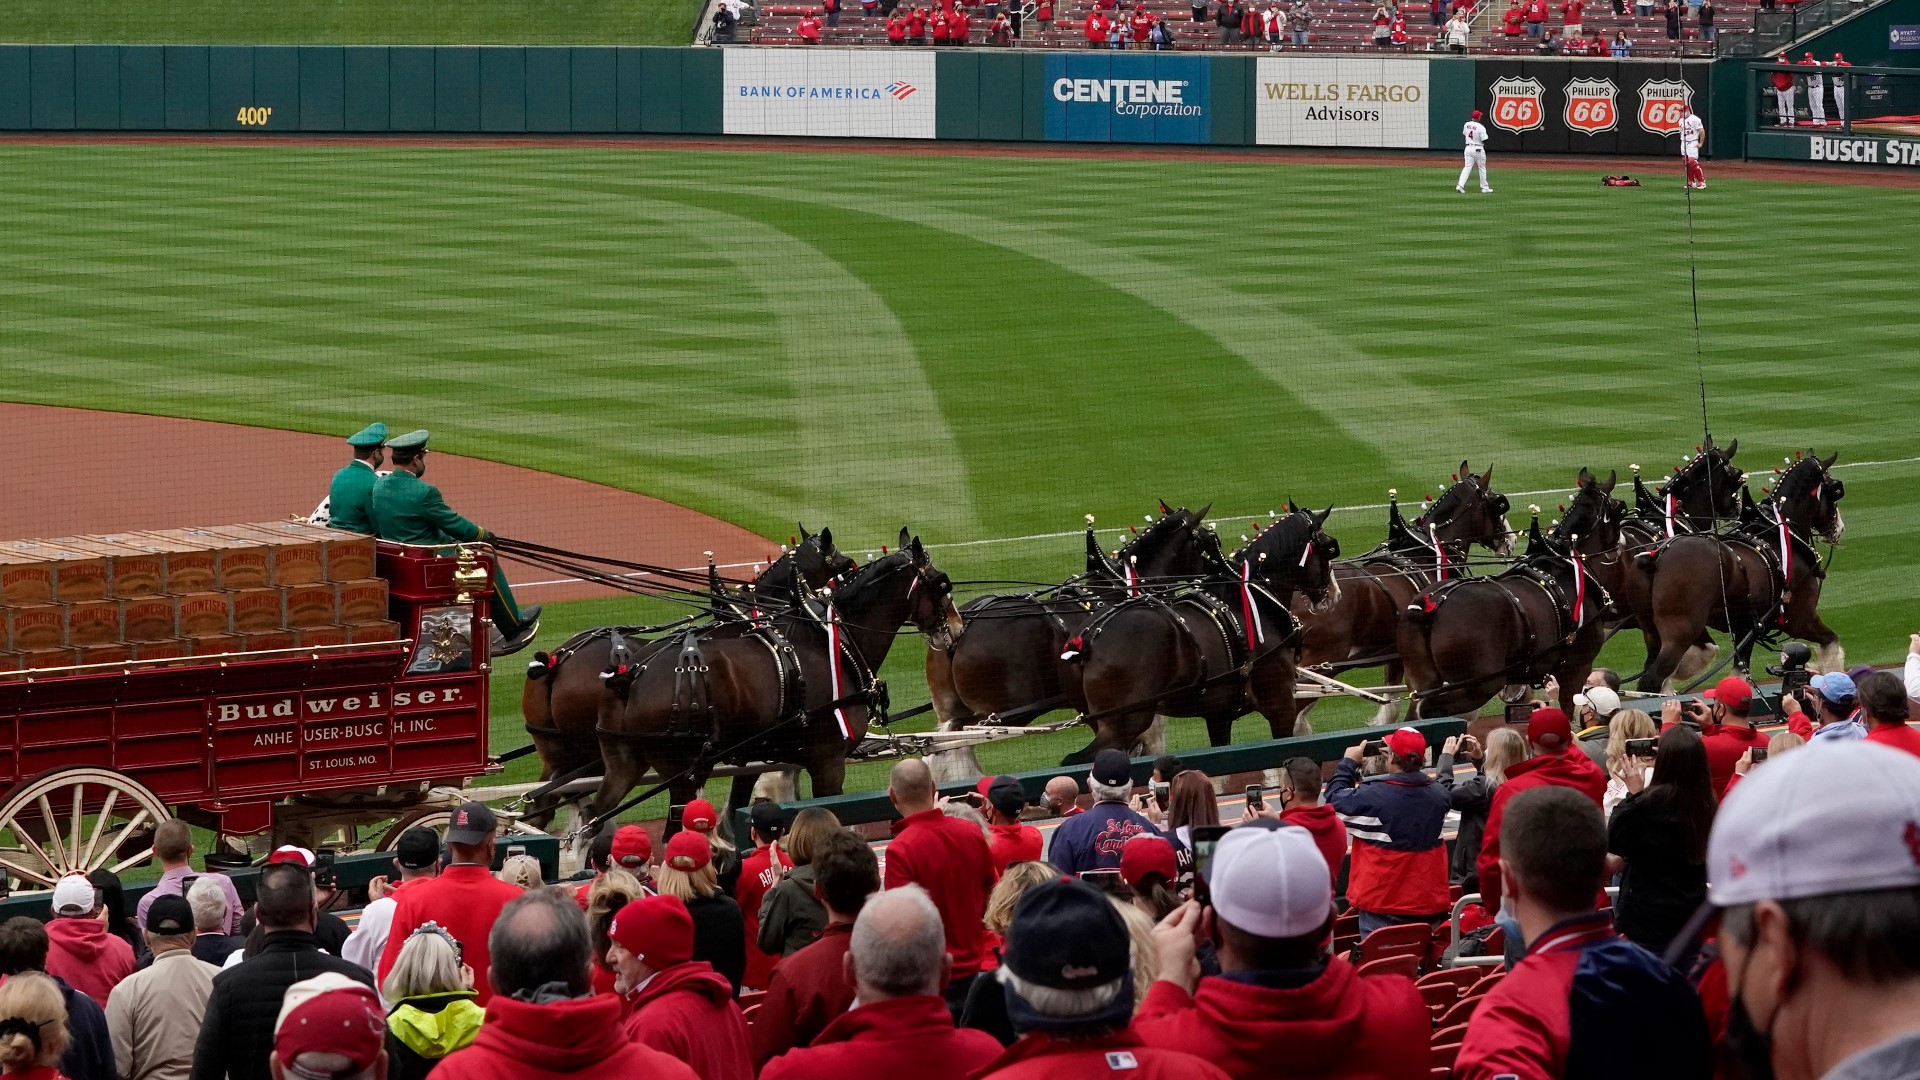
1477, 114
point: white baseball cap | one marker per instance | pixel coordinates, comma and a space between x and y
1832, 817
1272, 883
1602, 700
74, 895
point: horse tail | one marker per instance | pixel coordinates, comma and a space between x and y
1421, 611
1645, 560
541, 667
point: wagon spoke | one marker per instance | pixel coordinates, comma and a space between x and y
120, 836
53, 835
73, 829
130, 861
26, 836
26, 871
100, 825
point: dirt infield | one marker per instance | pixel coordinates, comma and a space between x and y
112, 472
1646, 167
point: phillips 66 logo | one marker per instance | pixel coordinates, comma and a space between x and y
1517, 105
1663, 104
1590, 106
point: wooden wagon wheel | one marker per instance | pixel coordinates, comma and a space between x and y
437, 820
76, 821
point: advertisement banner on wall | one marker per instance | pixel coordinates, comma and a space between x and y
1127, 98
829, 93
1340, 101
1586, 106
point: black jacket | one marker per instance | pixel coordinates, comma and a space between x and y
1662, 886
720, 935
89, 1053
237, 1035
1225, 17
1473, 798
215, 948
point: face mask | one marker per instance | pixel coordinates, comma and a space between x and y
1505, 921
1750, 1046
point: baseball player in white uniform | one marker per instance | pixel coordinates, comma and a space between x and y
1839, 88
1816, 91
1692, 131
1476, 136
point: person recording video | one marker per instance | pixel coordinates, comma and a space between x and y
1830, 703
1657, 839
1724, 718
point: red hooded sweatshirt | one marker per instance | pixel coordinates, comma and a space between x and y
887, 1040
1014, 843
688, 1011
1329, 833
757, 875
90, 959
1572, 769
575, 1038
948, 858
1119, 1056
1338, 1025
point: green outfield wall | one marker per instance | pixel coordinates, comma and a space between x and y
1544, 105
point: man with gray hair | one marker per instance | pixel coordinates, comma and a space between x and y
898, 963
211, 942
1068, 974
1092, 841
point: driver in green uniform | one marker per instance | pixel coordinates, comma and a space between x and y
408, 510
350, 496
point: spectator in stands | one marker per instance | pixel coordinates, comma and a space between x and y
1301, 804
1596, 45
676, 1004
416, 857
1657, 838
1628, 725
1593, 708
917, 25
1382, 25
1009, 840
764, 865
598, 858
1068, 979
1063, 797
1300, 22
33, 1027
959, 27
897, 958
611, 891
812, 986
1643, 8
870, 8
173, 847
237, 1036
1279, 999
1572, 23
1139, 25
1634, 1013
1092, 841
464, 899
725, 25
1473, 797
986, 1007
154, 1017
1724, 717
1001, 31
522, 871
1399, 871
701, 817
809, 27
433, 1011
544, 1020
1536, 15
1043, 14
1819, 902
211, 942
1884, 699
117, 916
80, 950
832, 8
1458, 31
632, 851
1148, 866
1555, 763
949, 859
1705, 11
1397, 34
719, 931
896, 29
1191, 804
329, 1026
791, 916
1514, 22
1161, 35
1672, 15
1227, 21
330, 931
1836, 708
1550, 43
89, 1053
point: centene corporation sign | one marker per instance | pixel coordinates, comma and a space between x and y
1129, 97
1143, 97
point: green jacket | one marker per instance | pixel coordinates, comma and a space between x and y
350, 498
422, 1030
409, 510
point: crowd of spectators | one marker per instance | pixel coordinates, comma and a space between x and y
1741, 904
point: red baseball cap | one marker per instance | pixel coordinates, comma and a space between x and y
657, 929
700, 815
986, 783
1733, 691
1477, 114
329, 1014
632, 847
1548, 729
688, 851
298, 856
1408, 742
1147, 854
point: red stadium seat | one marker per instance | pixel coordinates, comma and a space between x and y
1392, 965
1450, 1034
1439, 996
1459, 1014
1460, 978
1444, 1054
1407, 939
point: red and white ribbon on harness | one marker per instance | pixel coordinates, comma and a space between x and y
1579, 591
1133, 589
1256, 634
1786, 561
833, 669
1670, 515
1307, 554
1439, 550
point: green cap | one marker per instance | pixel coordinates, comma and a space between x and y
371, 435
412, 440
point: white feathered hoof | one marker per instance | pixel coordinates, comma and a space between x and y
1301, 725
957, 766
1829, 658
1388, 713
781, 787
1153, 742
1694, 661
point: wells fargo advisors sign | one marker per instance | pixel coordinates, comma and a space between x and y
1341, 101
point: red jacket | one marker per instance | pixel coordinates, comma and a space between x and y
1724, 745
889, 1040
1329, 833
896, 31
1572, 769
580, 1037
1899, 736
1337, 1026
1119, 1056
939, 26
465, 900
1142, 25
1783, 80
1014, 843
1096, 27
916, 27
809, 28
756, 877
948, 858
810, 988
1637, 1016
90, 959
687, 1011
959, 26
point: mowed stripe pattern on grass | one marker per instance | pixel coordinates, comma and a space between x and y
973, 346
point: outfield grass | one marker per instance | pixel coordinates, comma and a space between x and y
352, 22
978, 347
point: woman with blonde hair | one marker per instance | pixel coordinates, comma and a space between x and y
33, 1027
434, 1012
1626, 724
1473, 797
719, 930
986, 1007
1145, 960
791, 916
608, 893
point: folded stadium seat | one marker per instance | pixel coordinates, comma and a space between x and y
1440, 1074
1459, 1013
1410, 940
1392, 965
1447, 1035
1445, 1054
1461, 979
1439, 997
1487, 982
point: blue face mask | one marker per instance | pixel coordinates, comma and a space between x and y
1516, 941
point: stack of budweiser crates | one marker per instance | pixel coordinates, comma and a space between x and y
179, 594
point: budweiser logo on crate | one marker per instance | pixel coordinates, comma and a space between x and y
1590, 106
1518, 105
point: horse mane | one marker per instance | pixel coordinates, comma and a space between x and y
1266, 543
1450, 499
1801, 478
1157, 533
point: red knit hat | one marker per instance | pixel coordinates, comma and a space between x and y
657, 929
632, 847
1147, 854
688, 851
700, 815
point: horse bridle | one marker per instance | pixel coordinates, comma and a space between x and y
1493, 500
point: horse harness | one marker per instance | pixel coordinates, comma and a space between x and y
1241, 649
1567, 623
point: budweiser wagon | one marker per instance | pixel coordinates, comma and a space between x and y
273, 683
